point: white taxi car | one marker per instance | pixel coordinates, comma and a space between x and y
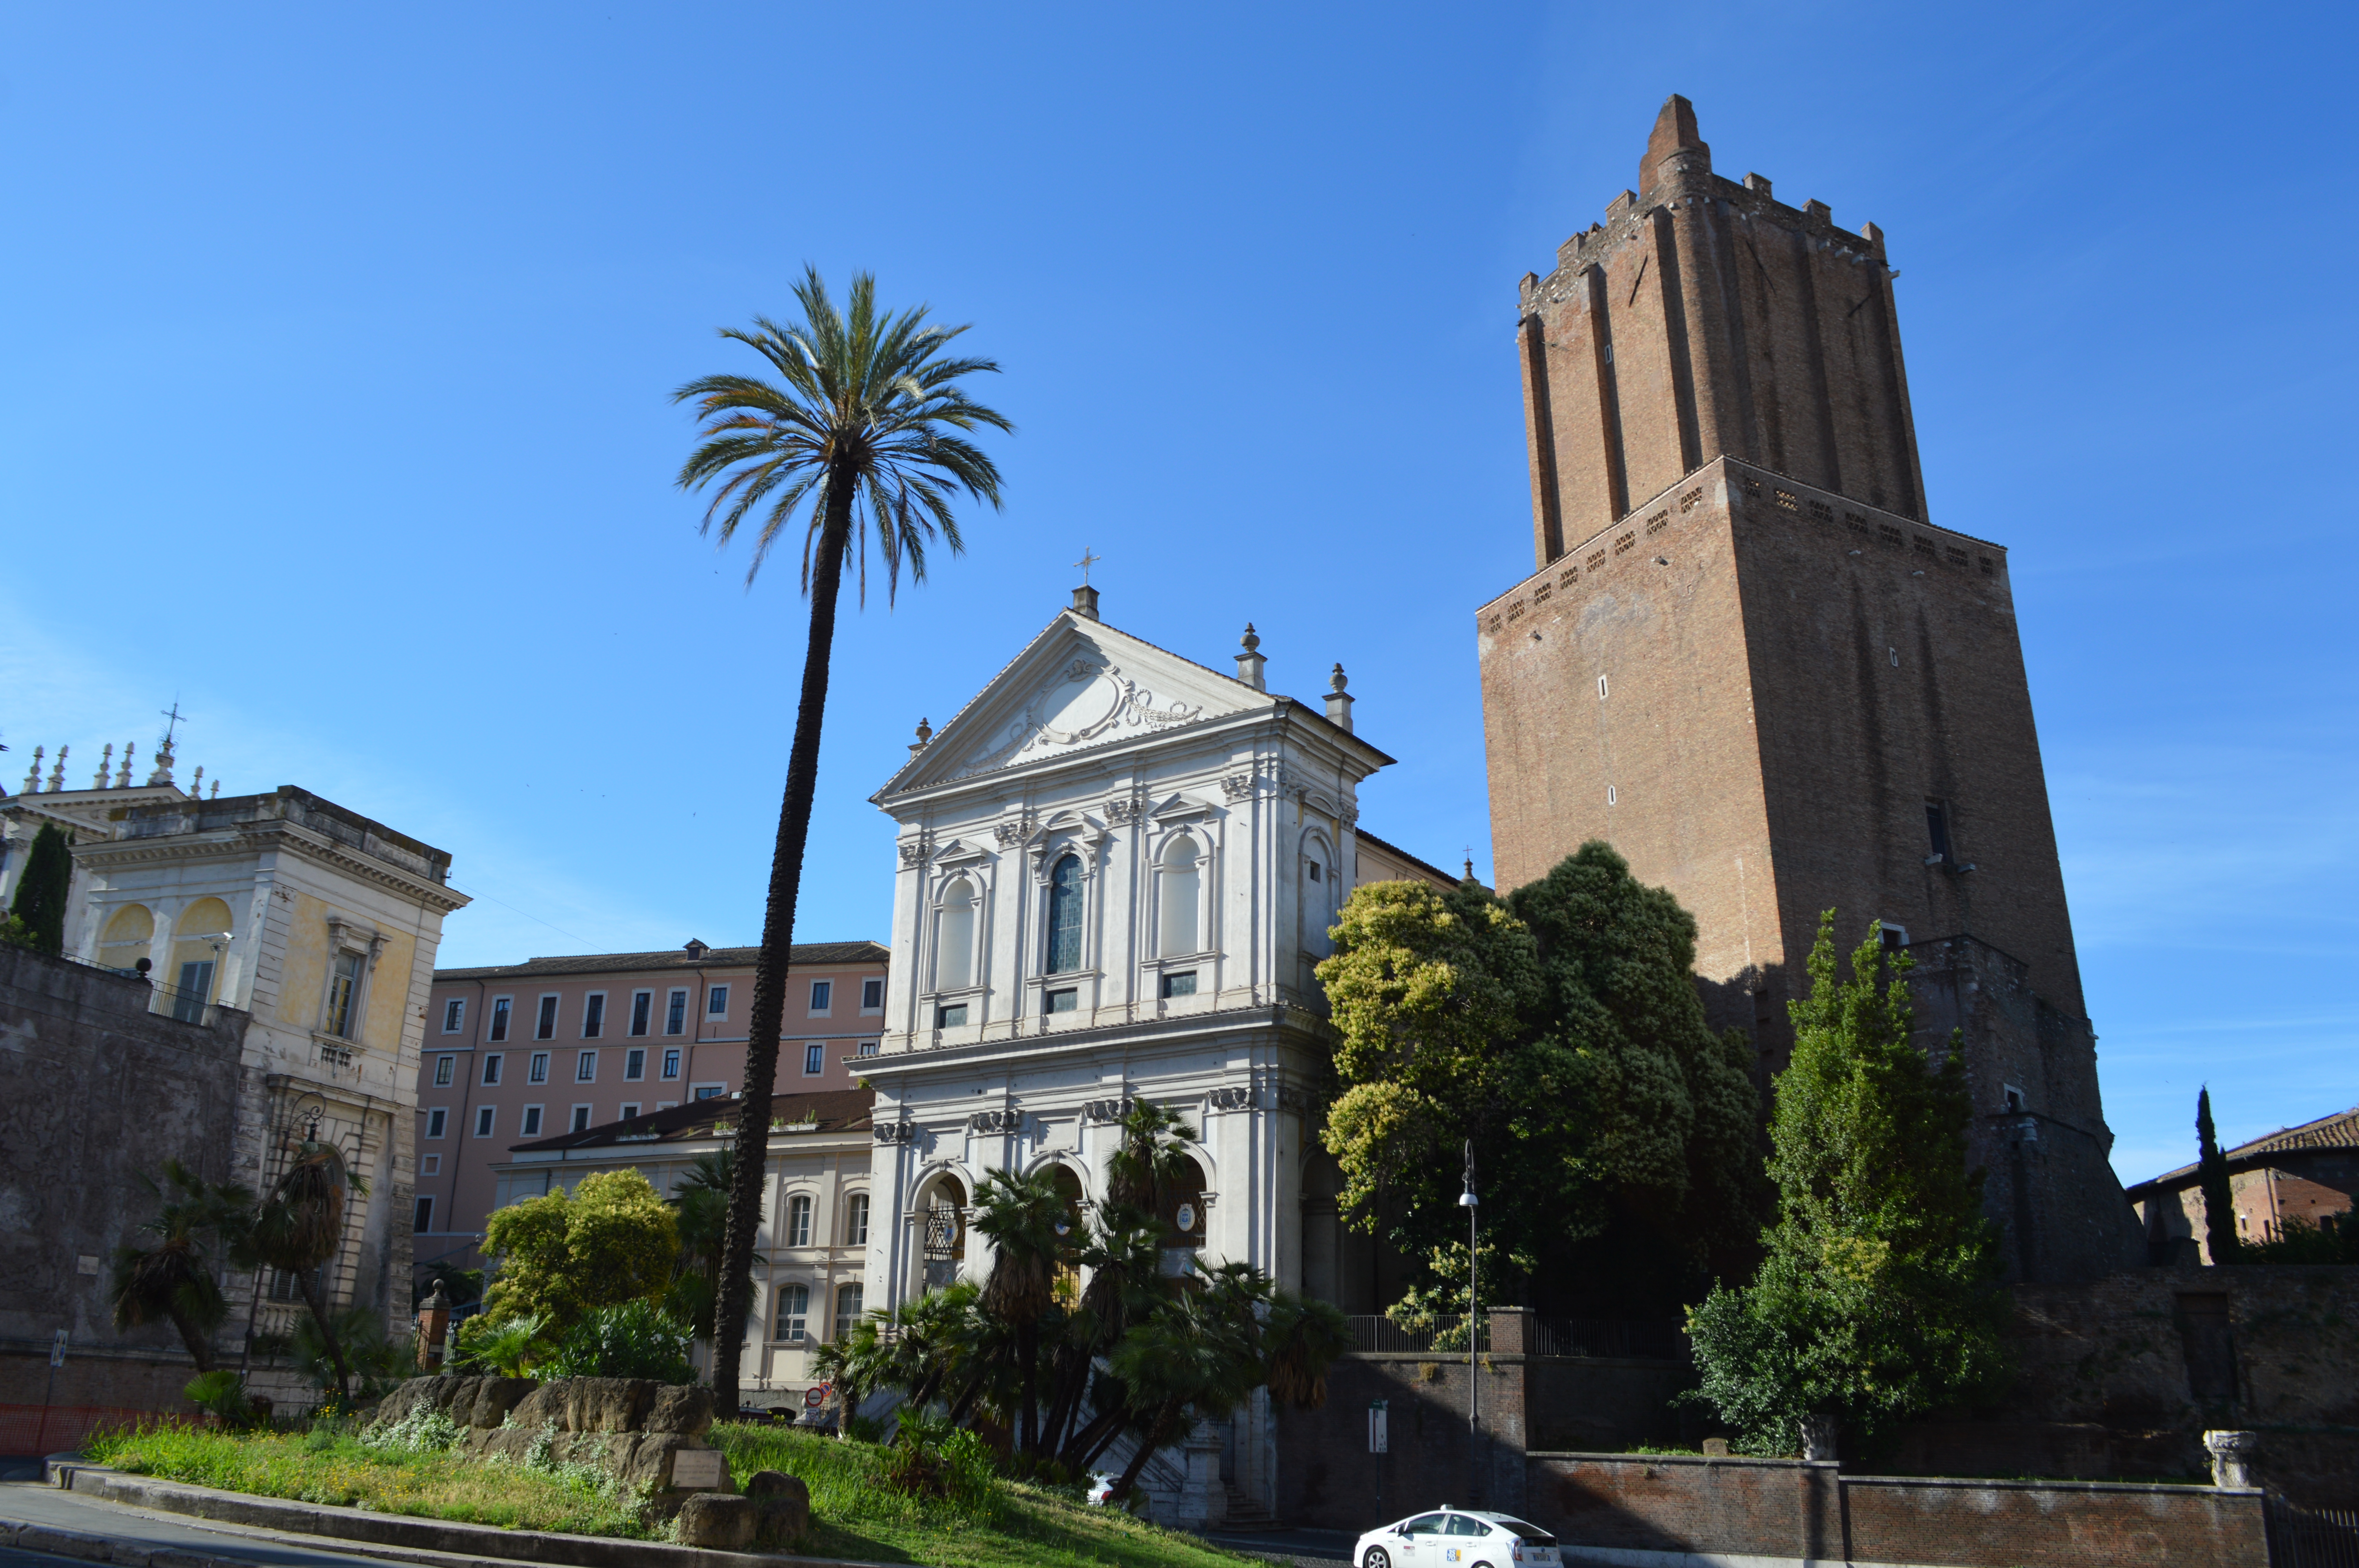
1457, 1537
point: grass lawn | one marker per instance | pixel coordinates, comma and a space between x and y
856, 1513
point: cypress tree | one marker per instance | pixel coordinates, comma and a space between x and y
39, 914
2212, 1175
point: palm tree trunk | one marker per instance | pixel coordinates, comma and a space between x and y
201, 1349
1092, 1439
1028, 1346
751, 1165
1157, 1436
327, 1335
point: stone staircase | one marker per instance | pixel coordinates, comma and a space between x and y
1244, 1512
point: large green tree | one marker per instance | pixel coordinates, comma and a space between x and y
37, 914
1879, 1299
862, 428
1560, 1031
609, 1241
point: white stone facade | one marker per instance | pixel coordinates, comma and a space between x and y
1117, 869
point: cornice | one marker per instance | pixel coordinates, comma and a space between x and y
1280, 1018
248, 838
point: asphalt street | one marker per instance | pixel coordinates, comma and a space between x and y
33, 1502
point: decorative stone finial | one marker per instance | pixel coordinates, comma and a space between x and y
216, 794
57, 773
1250, 663
33, 774
925, 737
162, 772
123, 774
196, 784
1339, 701
105, 766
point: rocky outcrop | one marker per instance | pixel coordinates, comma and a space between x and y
633, 1428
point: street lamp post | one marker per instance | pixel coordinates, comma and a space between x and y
1466, 1200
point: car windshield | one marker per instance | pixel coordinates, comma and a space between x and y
1530, 1532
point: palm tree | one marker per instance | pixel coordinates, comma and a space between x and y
1151, 1162
1026, 1222
702, 1201
176, 1279
300, 1226
1199, 1355
862, 423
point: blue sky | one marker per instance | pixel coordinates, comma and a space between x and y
333, 403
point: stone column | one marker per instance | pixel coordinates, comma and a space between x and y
2231, 1456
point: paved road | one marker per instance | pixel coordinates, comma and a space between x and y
1299, 1548
37, 1504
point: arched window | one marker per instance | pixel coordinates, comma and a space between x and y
954, 951
1182, 889
1065, 916
855, 1220
198, 937
126, 938
799, 1213
945, 1240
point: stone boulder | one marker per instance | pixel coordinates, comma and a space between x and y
545, 1406
683, 1409
720, 1521
494, 1398
782, 1513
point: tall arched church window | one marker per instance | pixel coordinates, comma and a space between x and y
1065, 916
954, 954
1182, 900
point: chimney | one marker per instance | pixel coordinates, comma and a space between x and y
1339, 702
1085, 601
1250, 663
1673, 147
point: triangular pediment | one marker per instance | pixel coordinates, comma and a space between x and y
1078, 685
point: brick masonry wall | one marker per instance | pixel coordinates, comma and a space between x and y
94, 1090
1622, 1505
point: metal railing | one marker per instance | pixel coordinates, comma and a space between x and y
1379, 1335
2311, 1538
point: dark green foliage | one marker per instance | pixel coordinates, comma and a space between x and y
298, 1229
38, 917
2331, 1239
1560, 1031
630, 1339
2211, 1176
198, 1225
1879, 1298
461, 1287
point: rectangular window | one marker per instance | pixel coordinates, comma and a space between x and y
671, 1062
676, 1013
630, 1108
872, 995
531, 1122
1064, 1000
1895, 937
855, 1220
847, 1309
708, 1091
868, 1047
716, 1002
547, 1028
814, 1060
445, 1070
436, 1120
455, 1015
593, 1015
823, 997
500, 1006
635, 1066
1314, 871
485, 1117
585, 1067
343, 991
580, 1119
1180, 984
794, 1311
538, 1071
1936, 830
492, 1070
643, 1005
422, 1221
799, 1217
953, 1017
429, 1165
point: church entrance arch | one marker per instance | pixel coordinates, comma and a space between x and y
941, 1230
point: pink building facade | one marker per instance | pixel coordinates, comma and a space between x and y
518, 1053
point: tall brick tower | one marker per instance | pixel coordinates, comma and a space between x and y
1749, 662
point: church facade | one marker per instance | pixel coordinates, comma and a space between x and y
1117, 869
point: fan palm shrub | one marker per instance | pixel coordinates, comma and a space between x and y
1029, 1227
196, 1226
860, 429
299, 1229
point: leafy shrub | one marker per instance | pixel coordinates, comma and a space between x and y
221, 1395
511, 1348
424, 1430
627, 1339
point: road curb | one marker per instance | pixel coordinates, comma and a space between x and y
427, 1540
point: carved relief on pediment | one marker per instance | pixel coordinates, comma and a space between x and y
1087, 703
